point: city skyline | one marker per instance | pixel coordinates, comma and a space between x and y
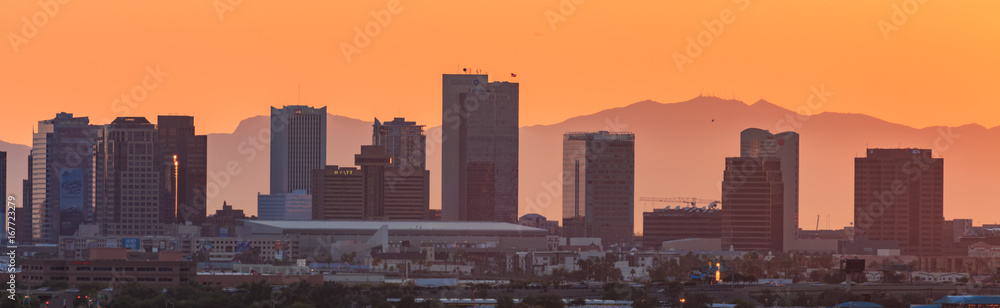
204, 63
809, 210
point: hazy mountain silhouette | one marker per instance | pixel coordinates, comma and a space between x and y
680, 151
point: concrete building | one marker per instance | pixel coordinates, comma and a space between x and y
111, 265
298, 146
338, 195
899, 196
128, 179
538, 221
680, 223
784, 148
225, 222
479, 149
296, 205
62, 155
186, 157
599, 186
376, 191
753, 208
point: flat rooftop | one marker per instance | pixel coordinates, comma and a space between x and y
374, 225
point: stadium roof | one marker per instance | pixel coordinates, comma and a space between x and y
374, 225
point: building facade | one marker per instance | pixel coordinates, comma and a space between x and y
783, 147
599, 186
375, 191
186, 157
404, 141
61, 176
128, 179
298, 146
680, 223
111, 266
753, 205
899, 196
479, 149
296, 205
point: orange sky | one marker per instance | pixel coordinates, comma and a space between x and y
941, 67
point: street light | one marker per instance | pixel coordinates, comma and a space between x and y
682, 302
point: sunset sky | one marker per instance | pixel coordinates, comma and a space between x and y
224, 61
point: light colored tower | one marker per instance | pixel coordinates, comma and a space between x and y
298, 146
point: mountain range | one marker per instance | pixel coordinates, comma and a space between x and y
680, 152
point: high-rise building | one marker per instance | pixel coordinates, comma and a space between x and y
24, 216
186, 157
61, 161
128, 179
296, 205
599, 186
752, 205
783, 147
375, 191
338, 194
298, 146
404, 141
479, 158
899, 196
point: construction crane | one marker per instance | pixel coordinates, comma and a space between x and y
690, 201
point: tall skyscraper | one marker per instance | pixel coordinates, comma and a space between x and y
479, 158
128, 179
899, 196
784, 148
752, 205
599, 186
61, 176
298, 146
186, 157
404, 141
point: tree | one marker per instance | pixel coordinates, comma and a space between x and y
696, 300
742, 303
578, 302
407, 301
833, 296
550, 300
505, 302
